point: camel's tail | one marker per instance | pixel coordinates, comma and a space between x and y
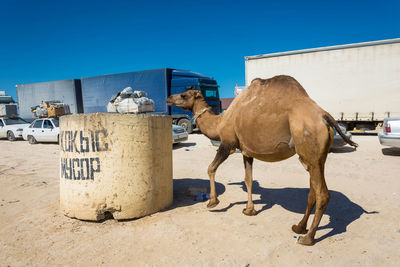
332, 122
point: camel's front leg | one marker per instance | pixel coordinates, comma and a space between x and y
222, 154
248, 179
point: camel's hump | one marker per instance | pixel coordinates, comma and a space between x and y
282, 85
282, 79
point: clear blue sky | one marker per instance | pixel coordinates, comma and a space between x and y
46, 40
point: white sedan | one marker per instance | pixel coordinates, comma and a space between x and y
42, 130
11, 128
390, 136
179, 134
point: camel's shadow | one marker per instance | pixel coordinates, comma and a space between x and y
341, 210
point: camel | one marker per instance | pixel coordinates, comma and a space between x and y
272, 120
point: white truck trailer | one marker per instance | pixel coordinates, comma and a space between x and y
358, 84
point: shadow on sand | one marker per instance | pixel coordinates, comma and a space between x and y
180, 198
343, 149
341, 210
183, 145
181, 186
391, 151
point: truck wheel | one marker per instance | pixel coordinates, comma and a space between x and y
350, 126
11, 136
365, 126
31, 140
185, 123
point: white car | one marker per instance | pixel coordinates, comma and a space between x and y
42, 130
179, 134
12, 128
390, 136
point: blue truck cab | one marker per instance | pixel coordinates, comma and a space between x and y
186, 80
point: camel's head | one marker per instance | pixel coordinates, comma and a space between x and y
185, 100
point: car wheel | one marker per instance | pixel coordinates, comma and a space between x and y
185, 123
11, 136
58, 139
31, 140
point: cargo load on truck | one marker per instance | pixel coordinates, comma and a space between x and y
129, 101
65, 91
50, 109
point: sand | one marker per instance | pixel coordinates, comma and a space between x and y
361, 226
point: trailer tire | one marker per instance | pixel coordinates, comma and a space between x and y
365, 126
11, 136
187, 124
31, 140
349, 127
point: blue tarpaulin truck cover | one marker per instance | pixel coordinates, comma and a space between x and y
97, 91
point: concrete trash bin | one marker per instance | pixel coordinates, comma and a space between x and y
115, 163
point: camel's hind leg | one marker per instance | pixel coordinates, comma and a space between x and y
248, 166
222, 154
321, 194
302, 226
312, 139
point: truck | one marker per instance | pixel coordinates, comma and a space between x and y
7, 105
11, 126
92, 94
358, 84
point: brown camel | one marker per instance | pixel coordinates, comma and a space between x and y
271, 120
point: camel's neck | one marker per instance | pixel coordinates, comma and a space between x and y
206, 120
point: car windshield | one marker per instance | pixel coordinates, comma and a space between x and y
56, 122
11, 121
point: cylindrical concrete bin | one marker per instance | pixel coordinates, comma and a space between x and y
117, 163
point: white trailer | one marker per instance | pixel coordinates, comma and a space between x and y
358, 84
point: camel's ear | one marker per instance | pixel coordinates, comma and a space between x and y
197, 95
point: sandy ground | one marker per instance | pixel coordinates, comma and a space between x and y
361, 226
